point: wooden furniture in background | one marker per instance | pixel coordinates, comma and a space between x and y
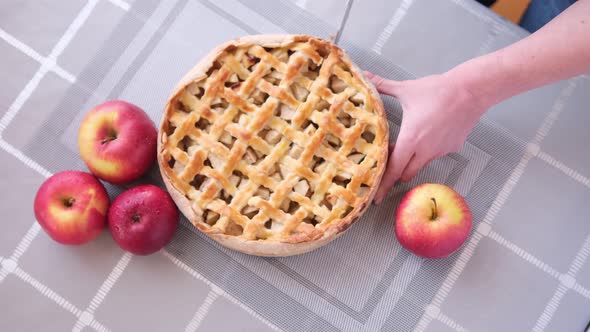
511, 9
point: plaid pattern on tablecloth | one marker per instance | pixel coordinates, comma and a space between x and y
524, 172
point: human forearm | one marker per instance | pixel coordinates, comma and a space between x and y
559, 50
441, 110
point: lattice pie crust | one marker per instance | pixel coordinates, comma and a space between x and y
273, 145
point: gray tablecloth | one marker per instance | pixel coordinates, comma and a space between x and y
524, 171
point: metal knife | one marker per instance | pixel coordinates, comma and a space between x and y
343, 21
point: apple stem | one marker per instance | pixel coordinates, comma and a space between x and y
106, 140
135, 218
68, 202
434, 209
111, 136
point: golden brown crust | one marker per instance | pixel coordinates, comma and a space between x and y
307, 236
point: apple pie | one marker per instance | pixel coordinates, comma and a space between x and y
273, 145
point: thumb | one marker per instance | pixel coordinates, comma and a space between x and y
383, 85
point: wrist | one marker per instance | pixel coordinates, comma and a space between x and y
468, 90
486, 80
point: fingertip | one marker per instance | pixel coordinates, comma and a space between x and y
377, 200
383, 190
407, 178
376, 79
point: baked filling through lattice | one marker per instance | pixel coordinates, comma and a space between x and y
274, 143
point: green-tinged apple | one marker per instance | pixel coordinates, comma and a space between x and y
71, 207
143, 219
432, 221
117, 141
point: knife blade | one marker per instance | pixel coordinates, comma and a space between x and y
343, 21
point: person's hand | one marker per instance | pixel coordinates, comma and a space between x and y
438, 114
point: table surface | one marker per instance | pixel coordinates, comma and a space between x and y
524, 171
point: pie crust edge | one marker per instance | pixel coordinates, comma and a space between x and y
257, 247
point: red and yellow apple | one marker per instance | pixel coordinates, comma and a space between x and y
432, 221
71, 207
117, 141
143, 219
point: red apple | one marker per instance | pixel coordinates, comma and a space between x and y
117, 141
432, 221
71, 207
143, 219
